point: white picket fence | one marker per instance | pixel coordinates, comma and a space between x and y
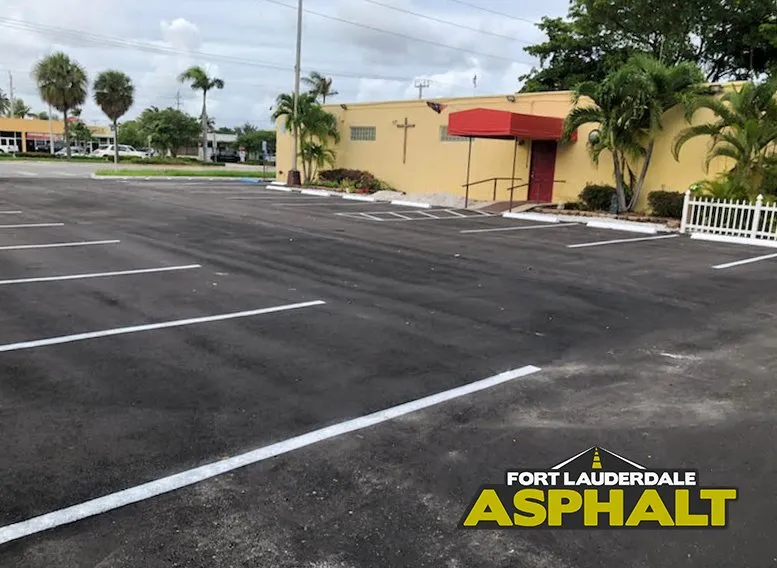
724, 220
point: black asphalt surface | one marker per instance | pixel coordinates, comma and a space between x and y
644, 350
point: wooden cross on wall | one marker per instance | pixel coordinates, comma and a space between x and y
405, 125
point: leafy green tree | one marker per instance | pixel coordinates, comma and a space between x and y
132, 134
628, 107
252, 141
225, 130
169, 129
320, 86
80, 134
63, 84
726, 38
745, 132
5, 103
245, 128
314, 124
114, 93
20, 109
199, 80
42, 115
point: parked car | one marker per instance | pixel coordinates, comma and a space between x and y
227, 155
74, 151
125, 151
6, 148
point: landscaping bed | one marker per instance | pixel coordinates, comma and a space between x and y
635, 217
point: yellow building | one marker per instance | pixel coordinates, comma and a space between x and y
407, 144
31, 134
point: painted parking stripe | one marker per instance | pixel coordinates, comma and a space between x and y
545, 226
274, 198
151, 327
618, 241
58, 245
32, 225
88, 275
198, 474
745, 261
10, 212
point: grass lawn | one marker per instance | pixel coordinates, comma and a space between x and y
186, 173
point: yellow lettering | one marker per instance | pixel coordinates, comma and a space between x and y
682, 511
718, 498
529, 502
593, 508
649, 508
488, 508
562, 501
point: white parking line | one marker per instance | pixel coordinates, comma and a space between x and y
745, 261
10, 212
32, 225
151, 327
58, 245
546, 226
617, 241
186, 478
317, 204
99, 274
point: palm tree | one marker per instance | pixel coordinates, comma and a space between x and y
5, 103
200, 81
745, 131
316, 155
320, 86
63, 84
628, 107
314, 124
20, 109
114, 93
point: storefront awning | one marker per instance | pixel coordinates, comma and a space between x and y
505, 125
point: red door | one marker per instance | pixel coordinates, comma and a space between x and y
543, 166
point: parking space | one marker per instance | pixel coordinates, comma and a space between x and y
222, 375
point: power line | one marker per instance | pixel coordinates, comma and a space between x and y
400, 35
494, 12
95, 39
446, 22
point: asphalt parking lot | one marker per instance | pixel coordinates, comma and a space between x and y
151, 329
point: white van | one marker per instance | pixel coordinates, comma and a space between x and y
8, 146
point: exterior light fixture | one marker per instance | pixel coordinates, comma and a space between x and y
594, 136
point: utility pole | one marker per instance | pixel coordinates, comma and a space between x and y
10, 94
178, 99
421, 84
294, 177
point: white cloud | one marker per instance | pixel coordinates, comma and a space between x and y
254, 41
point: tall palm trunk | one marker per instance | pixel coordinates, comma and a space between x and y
637, 188
204, 127
619, 189
115, 141
67, 135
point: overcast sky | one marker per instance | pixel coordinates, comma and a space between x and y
250, 45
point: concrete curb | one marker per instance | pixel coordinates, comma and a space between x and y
733, 240
411, 204
541, 217
621, 226
321, 192
358, 197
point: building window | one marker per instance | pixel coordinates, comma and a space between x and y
445, 137
363, 133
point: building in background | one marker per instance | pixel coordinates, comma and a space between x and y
215, 139
407, 144
33, 135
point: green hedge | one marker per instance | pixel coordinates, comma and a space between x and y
666, 203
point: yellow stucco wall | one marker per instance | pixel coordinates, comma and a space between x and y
435, 165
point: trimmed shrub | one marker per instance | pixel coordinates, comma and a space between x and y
597, 197
666, 203
356, 179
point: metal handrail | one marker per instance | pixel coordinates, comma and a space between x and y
494, 179
485, 180
512, 189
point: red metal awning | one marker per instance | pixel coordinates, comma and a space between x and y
505, 125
